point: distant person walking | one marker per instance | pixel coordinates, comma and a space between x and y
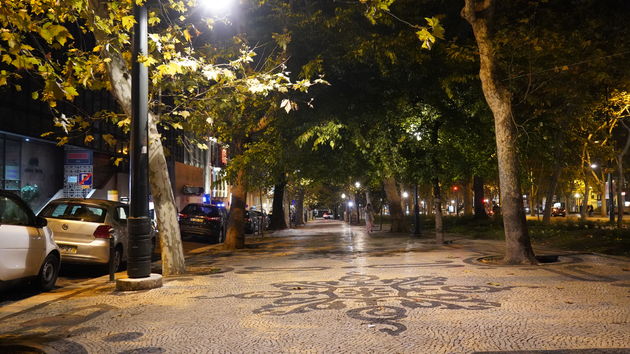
369, 217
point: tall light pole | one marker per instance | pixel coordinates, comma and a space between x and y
356, 195
416, 213
138, 222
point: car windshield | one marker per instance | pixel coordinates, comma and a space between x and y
203, 210
74, 211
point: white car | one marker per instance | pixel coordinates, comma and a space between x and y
27, 247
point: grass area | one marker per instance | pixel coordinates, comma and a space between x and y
567, 234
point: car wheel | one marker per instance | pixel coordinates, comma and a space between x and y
48, 273
117, 259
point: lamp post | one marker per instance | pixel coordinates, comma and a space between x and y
138, 222
416, 213
356, 196
343, 198
455, 189
350, 204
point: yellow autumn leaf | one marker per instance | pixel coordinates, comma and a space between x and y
109, 139
128, 22
124, 122
62, 141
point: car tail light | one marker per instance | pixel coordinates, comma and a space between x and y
102, 231
180, 215
212, 218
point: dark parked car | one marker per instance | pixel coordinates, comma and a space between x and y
252, 222
262, 219
203, 220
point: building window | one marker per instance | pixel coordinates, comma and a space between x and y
10, 156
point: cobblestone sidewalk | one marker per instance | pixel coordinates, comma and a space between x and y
329, 288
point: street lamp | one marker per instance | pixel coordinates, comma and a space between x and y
218, 7
138, 222
416, 213
405, 195
357, 184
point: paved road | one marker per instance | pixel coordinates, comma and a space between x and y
331, 288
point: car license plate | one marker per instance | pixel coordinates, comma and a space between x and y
68, 249
196, 219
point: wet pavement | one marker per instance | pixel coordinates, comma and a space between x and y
328, 287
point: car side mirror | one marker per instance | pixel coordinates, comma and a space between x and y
41, 222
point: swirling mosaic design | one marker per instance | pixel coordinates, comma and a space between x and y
377, 302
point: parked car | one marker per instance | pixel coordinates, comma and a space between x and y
558, 211
328, 216
252, 221
260, 219
27, 247
82, 229
204, 220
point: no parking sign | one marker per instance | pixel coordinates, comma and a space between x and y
85, 180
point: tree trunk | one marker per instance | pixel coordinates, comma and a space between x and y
620, 184
532, 201
551, 190
480, 208
584, 211
620, 197
395, 208
173, 262
278, 221
437, 206
518, 245
235, 237
286, 204
170, 240
468, 197
299, 208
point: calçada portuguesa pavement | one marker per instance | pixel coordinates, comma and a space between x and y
331, 288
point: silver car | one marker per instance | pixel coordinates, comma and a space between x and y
82, 228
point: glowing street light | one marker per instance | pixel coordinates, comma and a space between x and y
350, 203
405, 195
343, 195
217, 7
357, 184
593, 165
